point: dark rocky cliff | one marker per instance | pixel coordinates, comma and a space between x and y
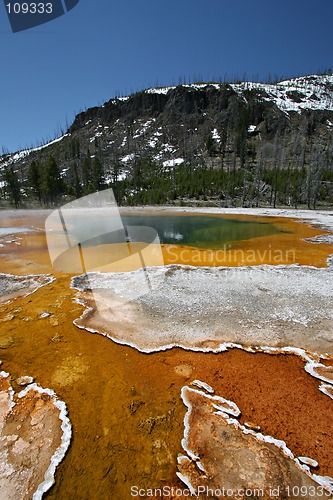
228, 127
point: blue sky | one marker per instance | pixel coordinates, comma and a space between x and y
102, 48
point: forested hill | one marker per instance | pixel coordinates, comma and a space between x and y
248, 144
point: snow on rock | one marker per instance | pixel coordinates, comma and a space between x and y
154, 139
173, 163
167, 148
98, 134
159, 90
122, 99
216, 136
128, 158
313, 93
26, 152
193, 86
122, 176
251, 129
144, 127
201, 86
308, 92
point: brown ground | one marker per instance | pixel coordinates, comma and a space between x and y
125, 406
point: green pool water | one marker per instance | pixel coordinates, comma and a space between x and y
201, 231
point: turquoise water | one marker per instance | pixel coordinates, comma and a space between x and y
201, 231
190, 230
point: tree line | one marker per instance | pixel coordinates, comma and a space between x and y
44, 183
149, 183
247, 186
239, 169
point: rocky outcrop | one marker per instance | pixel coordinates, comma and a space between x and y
35, 433
225, 459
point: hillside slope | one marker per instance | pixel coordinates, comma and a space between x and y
244, 143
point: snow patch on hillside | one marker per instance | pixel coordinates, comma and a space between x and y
26, 152
128, 158
173, 163
315, 93
309, 92
144, 127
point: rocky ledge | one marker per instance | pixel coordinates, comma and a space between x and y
226, 459
35, 434
12, 286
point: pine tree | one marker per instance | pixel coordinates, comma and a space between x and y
35, 180
77, 183
13, 186
98, 180
87, 173
52, 184
210, 145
